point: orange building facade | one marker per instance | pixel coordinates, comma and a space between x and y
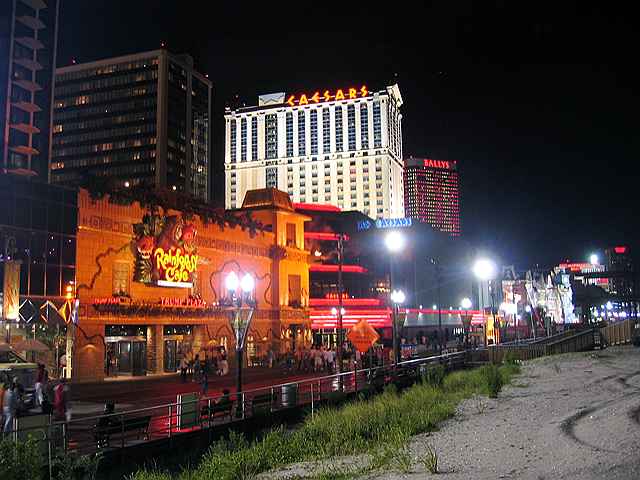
151, 285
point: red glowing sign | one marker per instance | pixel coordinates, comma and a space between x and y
438, 163
328, 95
620, 250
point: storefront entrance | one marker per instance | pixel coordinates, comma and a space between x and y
126, 352
178, 343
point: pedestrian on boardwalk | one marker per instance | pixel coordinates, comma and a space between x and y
205, 382
184, 365
196, 368
61, 396
9, 405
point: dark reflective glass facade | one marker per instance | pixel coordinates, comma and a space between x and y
38, 226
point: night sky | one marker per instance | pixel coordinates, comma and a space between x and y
535, 102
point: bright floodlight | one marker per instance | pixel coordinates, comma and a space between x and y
609, 306
465, 303
527, 309
484, 269
394, 241
334, 311
317, 253
247, 283
232, 281
594, 260
398, 296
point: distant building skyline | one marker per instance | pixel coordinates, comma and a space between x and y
136, 119
432, 193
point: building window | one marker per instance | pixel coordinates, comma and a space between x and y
291, 234
326, 131
233, 140
254, 138
243, 139
289, 133
271, 134
121, 278
302, 137
314, 132
364, 126
295, 291
351, 126
377, 126
338, 122
272, 177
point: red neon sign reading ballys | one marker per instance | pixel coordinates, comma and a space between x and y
437, 163
328, 95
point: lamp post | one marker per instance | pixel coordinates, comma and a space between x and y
466, 304
485, 270
394, 241
340, 311
242, 302
397, 297
436, 263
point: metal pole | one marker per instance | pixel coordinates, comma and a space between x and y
440, 336
239, 399
340, 304
491, 287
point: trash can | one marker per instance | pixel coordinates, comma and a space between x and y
289, 395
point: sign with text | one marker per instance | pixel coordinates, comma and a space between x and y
328, 95
166, 251
363, 336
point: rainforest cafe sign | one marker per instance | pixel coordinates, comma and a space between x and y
175, 265
166, 251
328, 95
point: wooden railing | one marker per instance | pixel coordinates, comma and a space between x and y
619, 333
577, 342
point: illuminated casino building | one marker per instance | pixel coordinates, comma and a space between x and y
619, 261
340, 147
365, 291
431, 193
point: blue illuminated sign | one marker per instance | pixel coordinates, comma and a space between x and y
393, 223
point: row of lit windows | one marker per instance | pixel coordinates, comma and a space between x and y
105, 147
105, 122
104, 134
103, 97
106, 70
121, 157
100, 83
130, 105
271, 132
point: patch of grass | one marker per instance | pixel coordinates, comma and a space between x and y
430, 459
381, 426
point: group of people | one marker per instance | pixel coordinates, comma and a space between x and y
201, 368
51, 397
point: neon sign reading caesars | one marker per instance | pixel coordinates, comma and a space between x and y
328, 95
174, 265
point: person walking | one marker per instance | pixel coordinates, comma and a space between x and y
38, 385
9, 405
184, 365
61, 396
205, 382
196, 368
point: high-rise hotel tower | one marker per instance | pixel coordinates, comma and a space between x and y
341, 147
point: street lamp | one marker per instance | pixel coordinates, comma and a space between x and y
394, 241
241, 313
485, 270
397, 297
465, 304
593, 259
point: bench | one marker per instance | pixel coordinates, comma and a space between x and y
103, 431
261, 404
222, 409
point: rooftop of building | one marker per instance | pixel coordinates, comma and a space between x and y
270, 198
270, 101
183, 59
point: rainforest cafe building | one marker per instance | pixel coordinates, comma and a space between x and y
150, 283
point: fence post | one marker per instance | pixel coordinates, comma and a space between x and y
170, 419
312, 405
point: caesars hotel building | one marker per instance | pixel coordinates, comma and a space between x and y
341, 147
